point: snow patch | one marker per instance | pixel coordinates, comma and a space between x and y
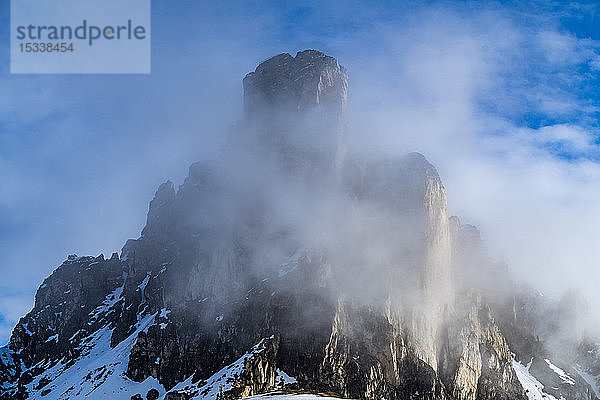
533, 387
164, 313
282, 376
52, 338
563, 375
221, 381
106, 305
279, 396
142, 287
75, 335
27, 331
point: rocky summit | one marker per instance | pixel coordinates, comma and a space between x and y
290, 265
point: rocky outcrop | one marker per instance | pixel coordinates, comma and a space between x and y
476, 361
531, 325
309, 80
62, 308
295, 106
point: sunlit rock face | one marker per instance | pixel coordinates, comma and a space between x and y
404, 219
285, 265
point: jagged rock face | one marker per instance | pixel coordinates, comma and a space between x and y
410, 219
225, 295
309, 80
476, 359
70, 305
368, 357
532, 326
296, 107
62, 306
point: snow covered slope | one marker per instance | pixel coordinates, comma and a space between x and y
533, 387
283, 396
231, 376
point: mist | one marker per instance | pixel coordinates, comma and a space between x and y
486, 94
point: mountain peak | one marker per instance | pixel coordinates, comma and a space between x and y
296, 106
274, 268
310, 79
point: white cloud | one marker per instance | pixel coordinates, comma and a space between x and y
458, 90
573, 139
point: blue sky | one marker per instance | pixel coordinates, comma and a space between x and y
503, 97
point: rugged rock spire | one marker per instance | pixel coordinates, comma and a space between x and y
309, 80
297, 106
